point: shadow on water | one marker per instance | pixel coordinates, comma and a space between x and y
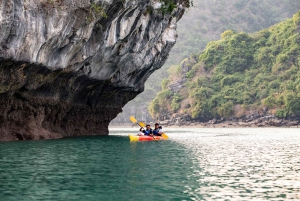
92, 168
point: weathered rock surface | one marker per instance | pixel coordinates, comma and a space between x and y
67, 70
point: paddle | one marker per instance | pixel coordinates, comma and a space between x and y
141, 124
164, 136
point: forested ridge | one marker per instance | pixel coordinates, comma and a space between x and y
238, 74
209, 18
204, 22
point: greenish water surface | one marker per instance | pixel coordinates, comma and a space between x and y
195, 164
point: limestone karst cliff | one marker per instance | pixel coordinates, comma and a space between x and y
67, 67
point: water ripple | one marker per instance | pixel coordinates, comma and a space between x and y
195, 164
245, 166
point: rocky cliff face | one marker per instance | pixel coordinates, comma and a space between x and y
67, 67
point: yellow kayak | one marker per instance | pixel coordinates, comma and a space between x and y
145, 138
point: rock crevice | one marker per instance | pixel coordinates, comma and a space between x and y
68, 67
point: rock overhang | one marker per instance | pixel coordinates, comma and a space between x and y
82, 60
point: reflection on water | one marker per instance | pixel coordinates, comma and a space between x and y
256, 164
195, 164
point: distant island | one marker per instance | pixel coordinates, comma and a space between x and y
242, 79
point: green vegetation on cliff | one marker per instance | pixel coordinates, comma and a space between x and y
237, 74
208, 19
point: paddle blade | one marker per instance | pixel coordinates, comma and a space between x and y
133, 119
142, 124
164, 136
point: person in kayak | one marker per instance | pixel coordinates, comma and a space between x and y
157, 131
148, 131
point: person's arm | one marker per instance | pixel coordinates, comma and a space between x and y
150, 132
142, 130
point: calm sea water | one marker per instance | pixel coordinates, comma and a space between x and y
195, 164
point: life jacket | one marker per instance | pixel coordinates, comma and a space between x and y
147, 132
156, 131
